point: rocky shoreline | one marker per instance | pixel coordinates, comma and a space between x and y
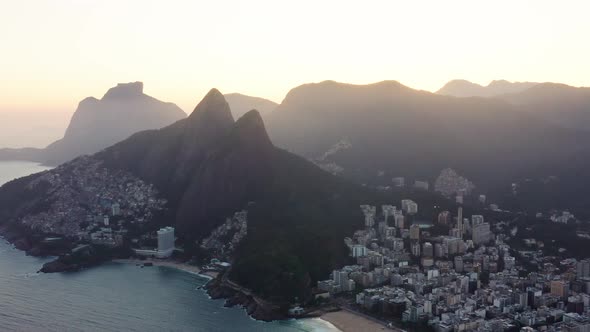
65, 260
29, 244
217, 288
257, 308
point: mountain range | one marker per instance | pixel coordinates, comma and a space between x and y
378, 131
463, 88
385, 129
99, 123
560, 104
209, 166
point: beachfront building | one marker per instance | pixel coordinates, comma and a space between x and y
166, 241
165, 244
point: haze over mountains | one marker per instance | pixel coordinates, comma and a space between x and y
99, 123
560, 104
241, 104
209, 166
362, 130
463, 88
31, 128
394, 130
386, 128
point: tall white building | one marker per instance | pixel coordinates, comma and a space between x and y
388, 211
412, 208
115, 209
358, 250
369, 211
481, 233
409, 206
405, 203
165, 242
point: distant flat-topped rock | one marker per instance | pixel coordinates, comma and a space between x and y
99, 123
463, 88
125, 90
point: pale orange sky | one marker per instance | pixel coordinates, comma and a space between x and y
56, 52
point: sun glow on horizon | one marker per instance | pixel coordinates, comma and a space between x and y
55, 53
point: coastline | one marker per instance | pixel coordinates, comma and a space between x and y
171, 264
347, 321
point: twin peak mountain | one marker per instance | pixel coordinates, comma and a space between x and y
207, 165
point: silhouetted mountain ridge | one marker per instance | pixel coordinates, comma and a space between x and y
464, 88
99, 123
405, 132
560, 104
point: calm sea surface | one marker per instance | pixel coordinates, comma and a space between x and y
114, 296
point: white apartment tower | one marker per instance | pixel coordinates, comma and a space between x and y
388, 211
369, 211
165, 241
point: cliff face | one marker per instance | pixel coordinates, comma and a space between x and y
99, 123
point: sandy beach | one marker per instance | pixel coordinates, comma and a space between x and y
347, 321
171, 264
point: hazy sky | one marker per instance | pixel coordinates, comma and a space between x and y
54, 53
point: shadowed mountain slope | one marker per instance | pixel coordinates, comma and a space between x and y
398, 131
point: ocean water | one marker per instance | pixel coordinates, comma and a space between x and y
10, 170
114, 296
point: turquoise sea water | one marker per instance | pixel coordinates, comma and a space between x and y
114, 296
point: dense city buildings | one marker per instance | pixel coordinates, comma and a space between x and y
468, 280
90, 202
